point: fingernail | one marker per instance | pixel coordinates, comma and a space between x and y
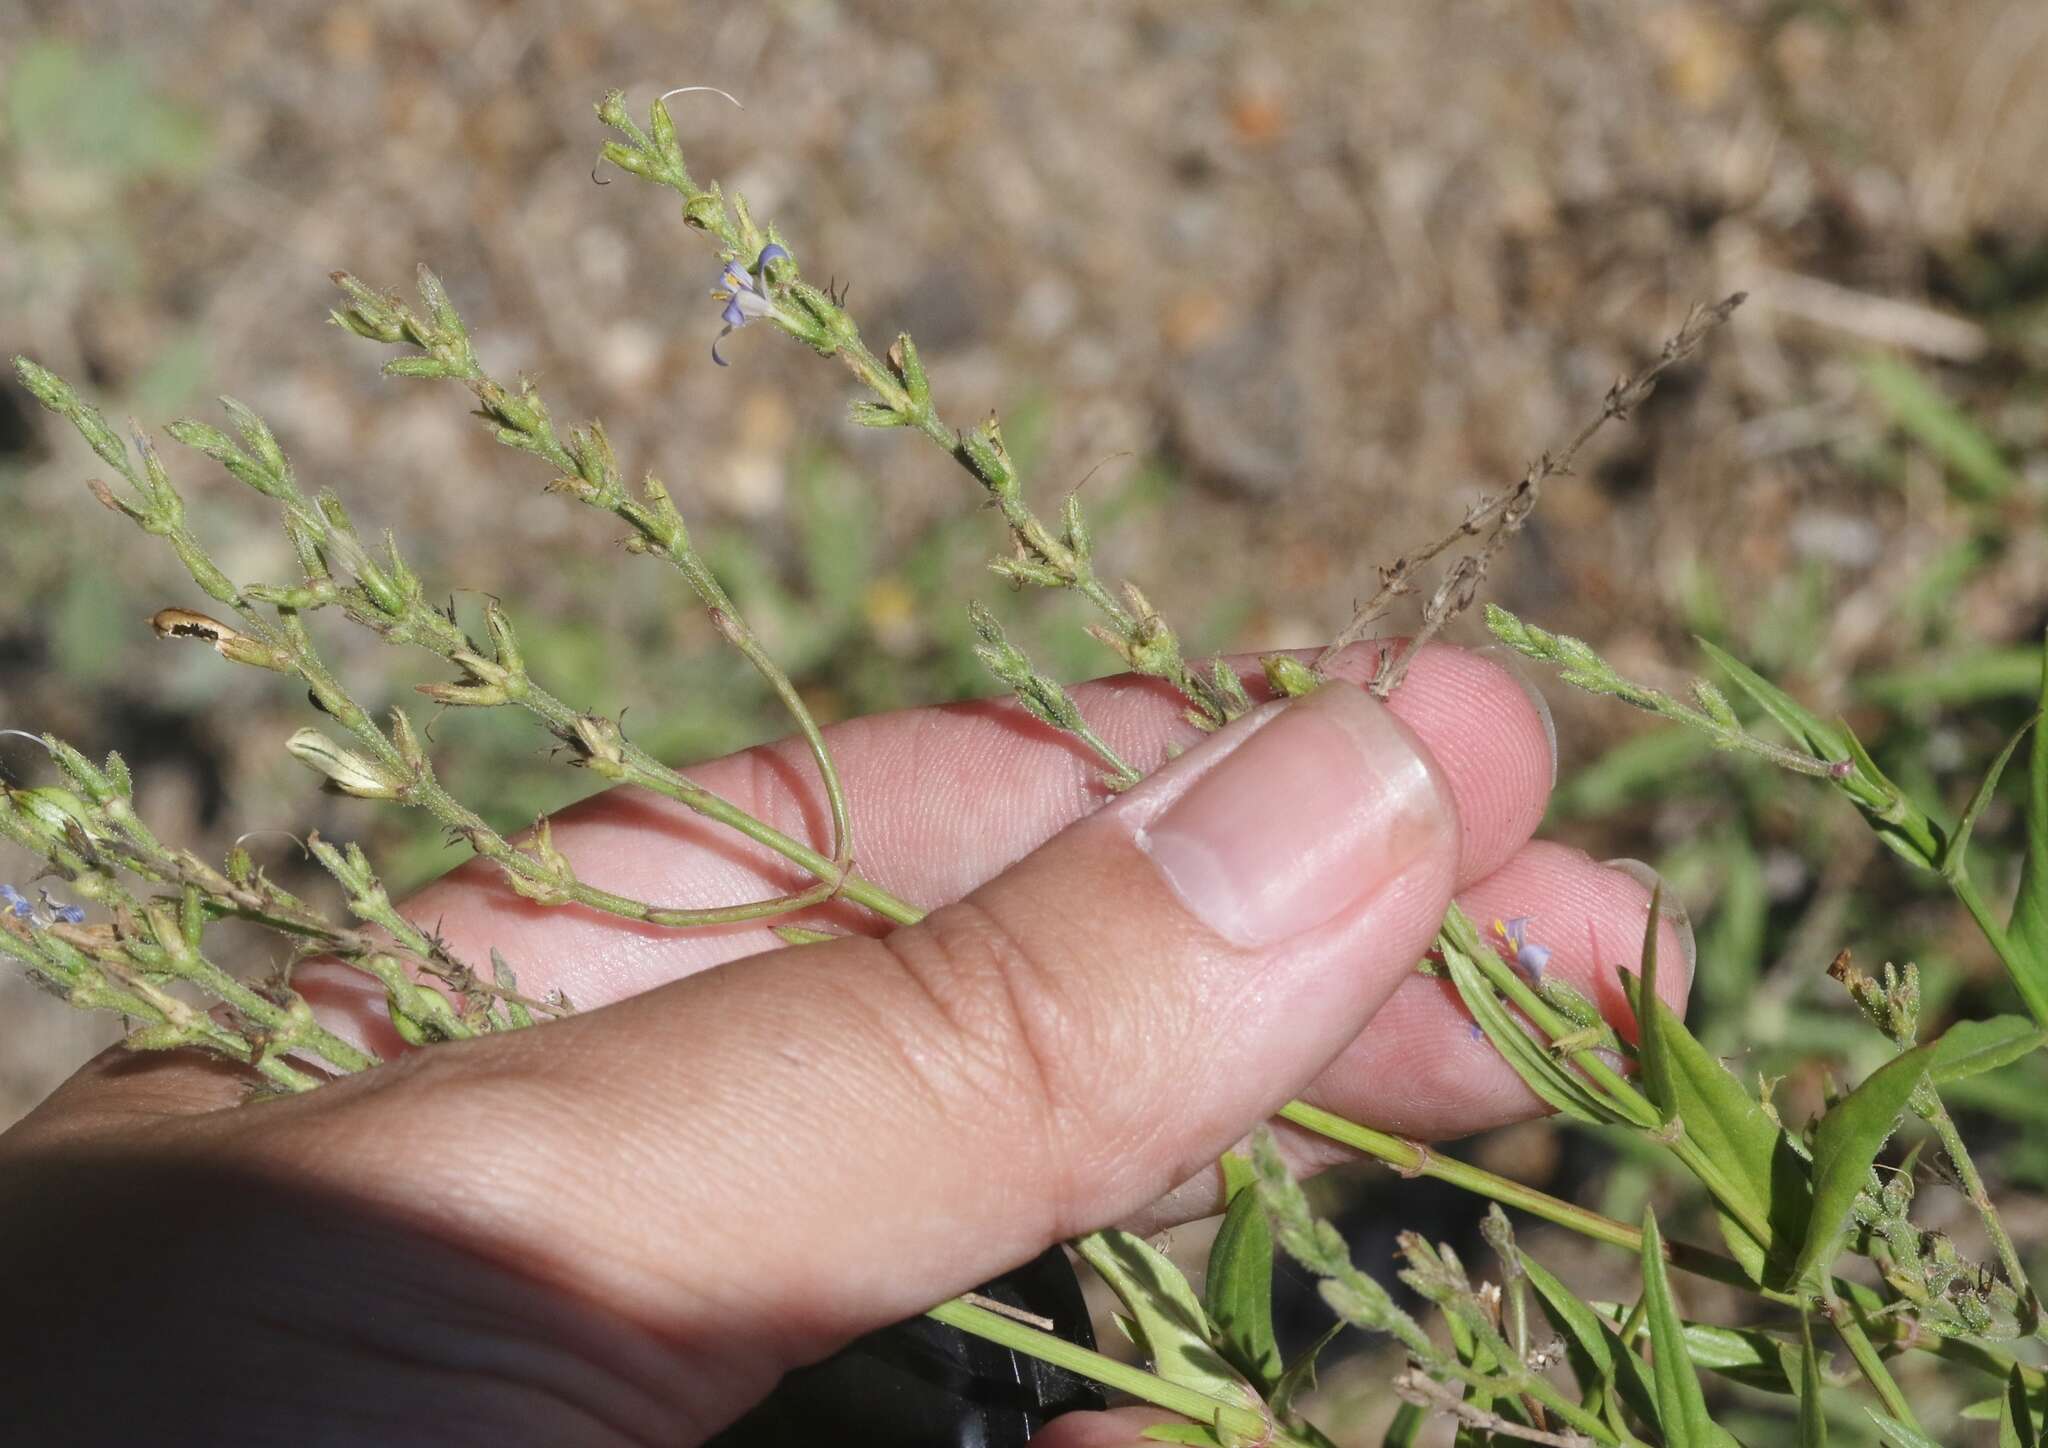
1672, 908
1328, 801
1517, 668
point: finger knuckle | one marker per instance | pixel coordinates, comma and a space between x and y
1019, 1040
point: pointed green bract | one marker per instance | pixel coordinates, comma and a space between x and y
1844, 1146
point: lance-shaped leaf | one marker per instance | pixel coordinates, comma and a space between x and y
1897, 1434
1897, 821
1681, 1406
1820, 739
1754, 1358
1954, 857
1171, 1326
1238, 1293
1757, 1164
1556, 1083
1970, 1048
2030, 910
1598, 1355
1845, 1144
2016, 1416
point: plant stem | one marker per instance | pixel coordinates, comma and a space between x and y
2009, 954
1849, 1326
1973, 1187
1232, 1418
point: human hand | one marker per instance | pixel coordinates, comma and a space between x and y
622, 1228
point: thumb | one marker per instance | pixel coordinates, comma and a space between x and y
806, 1144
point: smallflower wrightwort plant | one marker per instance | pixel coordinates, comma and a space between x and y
1521, 1359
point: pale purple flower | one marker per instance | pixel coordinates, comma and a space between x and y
14, 903
61, 914
745, 294
1514, 934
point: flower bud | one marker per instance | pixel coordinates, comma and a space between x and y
1289, 676
231, 644
347, 772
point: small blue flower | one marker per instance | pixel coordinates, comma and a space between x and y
745, 294
1514, 934
14, 903
61, 914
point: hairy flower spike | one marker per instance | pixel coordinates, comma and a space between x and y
745, 294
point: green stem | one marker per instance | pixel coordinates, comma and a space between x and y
1235, 1420
1411, 1158
1849, 1327
1980, 1198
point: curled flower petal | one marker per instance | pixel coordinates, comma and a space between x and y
17, 904
744, 293
1525, 953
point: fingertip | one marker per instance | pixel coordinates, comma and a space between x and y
1677, 951
1423, 1070
1490, 736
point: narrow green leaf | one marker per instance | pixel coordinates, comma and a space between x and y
1898, 1434
1681, 1406
1556, 1083
1171, 1326
2030, 910
1813, 1422
2016, 1416
1757, 1163
1745, 1355
1193, 1433
1599, 1357
1954, 854
1970, 1048
1239, 1291
1821, 740
1406, 1429
1846, 1142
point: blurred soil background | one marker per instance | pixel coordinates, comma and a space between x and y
1288, 284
